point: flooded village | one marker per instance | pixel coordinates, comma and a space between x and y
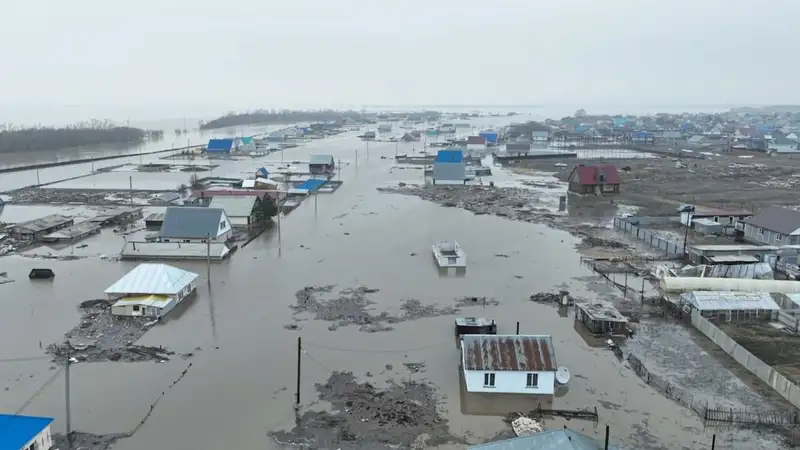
397, 280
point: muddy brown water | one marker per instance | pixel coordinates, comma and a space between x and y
241, 384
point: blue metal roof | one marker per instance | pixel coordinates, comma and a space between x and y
16, 431
220, 145
450, 156
191, 222
262, 171
311, 185
565, 439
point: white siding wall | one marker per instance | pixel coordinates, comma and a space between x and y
510, 382
44, 440
239, 221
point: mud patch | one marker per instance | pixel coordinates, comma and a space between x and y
351, 306
99, 336
86, 441
405, 415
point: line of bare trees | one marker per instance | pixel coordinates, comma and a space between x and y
267, 117
14, 138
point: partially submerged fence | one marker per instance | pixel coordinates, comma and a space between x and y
626, 226
781, 385
706, 411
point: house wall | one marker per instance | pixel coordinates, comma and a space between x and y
237, 221
510, 382
724, 220
450, 171
759, 235
43, 441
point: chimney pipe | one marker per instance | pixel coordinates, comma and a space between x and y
607, 432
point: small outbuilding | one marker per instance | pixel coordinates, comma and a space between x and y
41, 274
218, 146
450, 166
601, 179
322, 164
151, 290
601, 318
731, 306
242, 211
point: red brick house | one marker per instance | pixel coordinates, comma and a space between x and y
601, 179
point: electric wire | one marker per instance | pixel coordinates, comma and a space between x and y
367, 350
45, 385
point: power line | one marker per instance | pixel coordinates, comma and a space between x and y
32, 397
367, 350
29, 358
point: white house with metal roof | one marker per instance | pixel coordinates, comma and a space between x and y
151, 290
242, 210
511, 364
195, 224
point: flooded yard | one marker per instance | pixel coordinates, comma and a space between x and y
239, 391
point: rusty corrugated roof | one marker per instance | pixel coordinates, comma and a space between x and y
508, 352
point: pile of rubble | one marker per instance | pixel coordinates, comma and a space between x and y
100, 336
404, 415
352, 307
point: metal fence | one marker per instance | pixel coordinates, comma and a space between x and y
650, 238
666, 388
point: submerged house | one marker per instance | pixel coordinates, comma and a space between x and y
247, 144
476, 145
151, 290
450, 166
220, 146
599, 180
513, 364
242, 210
34, 230
518, 148
564, 439
322, 164
19, 432
195, 224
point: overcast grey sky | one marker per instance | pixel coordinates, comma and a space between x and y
179, 57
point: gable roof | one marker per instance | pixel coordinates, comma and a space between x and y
321, 159
158, 279
565, 439
590, 175
777, 219
235, 206
16, 430
450, 156
191, 222
219, 145
508, 352
247, 140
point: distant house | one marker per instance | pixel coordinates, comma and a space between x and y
247, 144
518, 148
195, 224
540, 136
384, 127
151, 290
487, 367
168, 198
476, 144
491, 136
642, 137
564, 439
600, 179
219, 146
725, 217
276, 136
671, 135
19, 432
794, 135
782, 144
697, 139
242, 211
322, 164
34, 230
450, 166
773, 225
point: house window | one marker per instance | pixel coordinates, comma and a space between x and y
716, 218
730, 219
488, 380
136, 308
222, 225
777, 238
532, 380
760, 231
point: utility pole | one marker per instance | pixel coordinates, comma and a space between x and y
315, 203
66, 395
130, 187
279, 232
339, 172
208, 258
92, 165
356, 157
38, 183
299, 356
625, 291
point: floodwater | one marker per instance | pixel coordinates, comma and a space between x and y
241, 382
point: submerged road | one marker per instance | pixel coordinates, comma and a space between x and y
241, 383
